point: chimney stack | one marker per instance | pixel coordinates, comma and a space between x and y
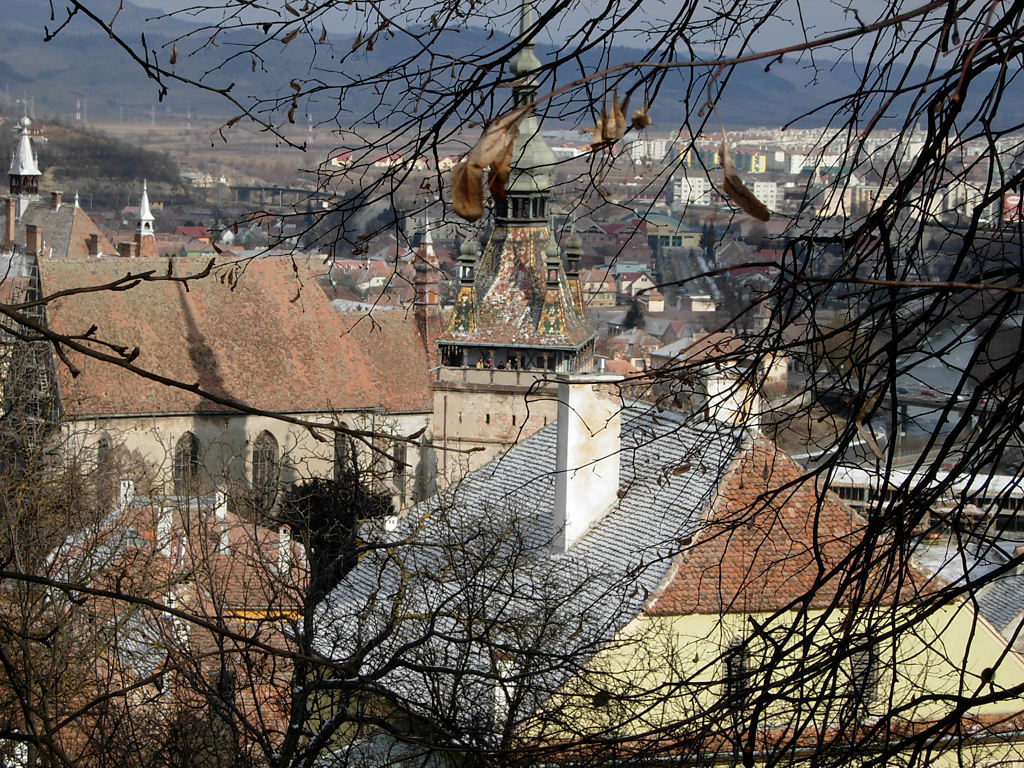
220, 511
126, 494
55, 198
33, 240
284, 550
125, 249
164, 526
11, 214
586, 454
93, 244
733, 400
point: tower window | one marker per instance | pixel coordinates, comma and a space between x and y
487, 418
863, 687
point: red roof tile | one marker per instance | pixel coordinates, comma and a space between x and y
256, 331
772, 538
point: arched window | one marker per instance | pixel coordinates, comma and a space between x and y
344, 457
186, 464
105, 480
103, 448
265, 463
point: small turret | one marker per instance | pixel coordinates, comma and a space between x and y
467, 261
573, 257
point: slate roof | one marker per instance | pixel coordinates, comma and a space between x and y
65, 231
510, 289
256, 331
772, 539
1002, 601
471, 572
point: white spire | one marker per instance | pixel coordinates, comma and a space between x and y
76, 200
24, 162
428, 239
145, 215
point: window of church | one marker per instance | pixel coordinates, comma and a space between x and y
344, 455
186, 465
265, 464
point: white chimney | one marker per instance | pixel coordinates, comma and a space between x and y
126, 494
163, 531
586, 455
284, 550
220, 511
733, 400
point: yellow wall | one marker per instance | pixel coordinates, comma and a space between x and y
662, 671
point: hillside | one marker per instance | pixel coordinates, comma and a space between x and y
83, 63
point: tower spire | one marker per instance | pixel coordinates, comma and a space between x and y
24, 171
532, 159
145, 214
145, 238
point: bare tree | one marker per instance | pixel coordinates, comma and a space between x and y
902, 304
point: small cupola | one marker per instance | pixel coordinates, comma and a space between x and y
552, 263
573, 255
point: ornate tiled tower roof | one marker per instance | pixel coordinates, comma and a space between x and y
517, 318
517, 286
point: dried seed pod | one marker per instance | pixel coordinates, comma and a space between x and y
640, 119
735, 189
467, 191
493, 150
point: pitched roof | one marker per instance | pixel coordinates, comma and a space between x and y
772, 539
493, 532
1002, 601
257, 331
66, 230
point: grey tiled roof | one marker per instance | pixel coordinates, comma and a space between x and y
469, 575
1002, 601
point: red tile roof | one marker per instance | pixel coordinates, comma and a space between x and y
771, 539
257, 331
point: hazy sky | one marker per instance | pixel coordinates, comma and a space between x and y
821, 16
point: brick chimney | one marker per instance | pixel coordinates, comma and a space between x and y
33, 240
10, 209
586, 454
55, 198
126, 249
145, 247
92, 243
